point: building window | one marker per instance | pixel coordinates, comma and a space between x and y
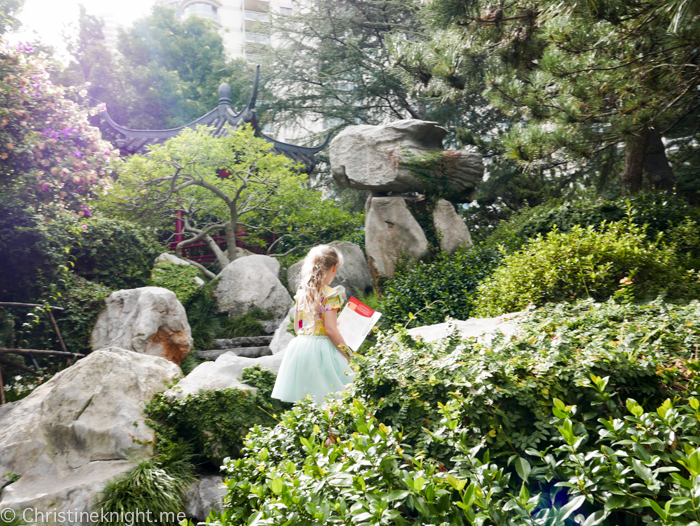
257, 16
257, 37
202, 10
286, 10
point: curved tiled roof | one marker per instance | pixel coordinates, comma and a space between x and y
136, 141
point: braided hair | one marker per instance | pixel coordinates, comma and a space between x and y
317, 263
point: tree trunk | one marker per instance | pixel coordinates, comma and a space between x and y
656, 165
231, 239
221, 258
633, 175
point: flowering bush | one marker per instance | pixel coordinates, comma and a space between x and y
49, 154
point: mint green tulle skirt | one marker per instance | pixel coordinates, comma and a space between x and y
311, 366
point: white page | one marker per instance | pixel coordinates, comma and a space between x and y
355, 327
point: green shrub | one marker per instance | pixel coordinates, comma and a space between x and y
583, 263
203, 316
190, 363
502, 391
82, 302
490, 452
215, 422
660, 212
334, 464
245, 325
178, 278
115, 253
430, 291
340, 465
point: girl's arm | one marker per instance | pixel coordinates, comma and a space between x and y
330, 320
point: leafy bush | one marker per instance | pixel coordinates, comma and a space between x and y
82, 302
115, 253
178, 278
601, 456
215, 422
502, 391
660, 212
334, 464
430, 291
203, 317
583, 263
339, 464
245, 325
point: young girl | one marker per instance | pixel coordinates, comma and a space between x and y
315, 362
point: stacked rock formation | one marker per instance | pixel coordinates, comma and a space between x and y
401, 161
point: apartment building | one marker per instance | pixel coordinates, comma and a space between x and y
236, 20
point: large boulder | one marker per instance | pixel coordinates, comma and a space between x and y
78, 431
453, 231
392, 233
483, 328
353, 274
384, 159
165, 258
147, 320
282, 337
203, 496
224, 373
251, 282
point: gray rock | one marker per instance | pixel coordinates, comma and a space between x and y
238, 363
248, 352
270, 326
454, 233
5, 409
224, 373
79, 430
203, 496
484, 328
270, 262
170, 258
391, 232
247, 283
374, 158
209, 376
148, 320
282, 338
242, 341
354, 274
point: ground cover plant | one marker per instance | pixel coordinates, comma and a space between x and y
586, 416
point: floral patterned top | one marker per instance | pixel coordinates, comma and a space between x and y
331, 299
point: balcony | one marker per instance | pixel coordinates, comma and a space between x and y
256, 38
202, 10
253, 17
256, 5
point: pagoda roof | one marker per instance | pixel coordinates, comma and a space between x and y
137, 141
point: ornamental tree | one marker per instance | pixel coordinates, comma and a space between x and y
50, 156
222, 184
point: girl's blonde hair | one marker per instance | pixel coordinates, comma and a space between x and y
317, 263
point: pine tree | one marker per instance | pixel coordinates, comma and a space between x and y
581, 78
